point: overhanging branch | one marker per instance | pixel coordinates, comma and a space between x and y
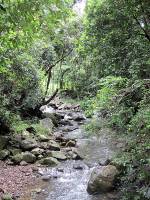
62, 58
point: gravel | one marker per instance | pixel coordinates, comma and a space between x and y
14, 179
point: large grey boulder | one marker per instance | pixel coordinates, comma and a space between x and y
102, 179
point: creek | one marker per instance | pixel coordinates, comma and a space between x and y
70, 177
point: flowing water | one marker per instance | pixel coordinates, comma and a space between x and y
69, 183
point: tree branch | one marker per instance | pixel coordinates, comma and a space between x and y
145, 32
50, 98
63, 56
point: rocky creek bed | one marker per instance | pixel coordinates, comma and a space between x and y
58, 166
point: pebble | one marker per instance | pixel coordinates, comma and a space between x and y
46, 178
37, 190
23, 163
78, 167
60, 169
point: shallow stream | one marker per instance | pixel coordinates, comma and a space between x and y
69, 183
69, 179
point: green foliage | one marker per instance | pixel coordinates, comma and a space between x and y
135, 162
94, 126
27, 48
88, 106
108, 87
130, 114
128, 106
18, 126
114, 41
40, 130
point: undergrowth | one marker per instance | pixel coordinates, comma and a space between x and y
127, 110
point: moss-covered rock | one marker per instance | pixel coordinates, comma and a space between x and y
28, 157
17, 158
3, 142
57, 154
7, 197
28, 144
3, 154
49, 161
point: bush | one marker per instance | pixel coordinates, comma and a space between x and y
128, 105
108, 87
131, 115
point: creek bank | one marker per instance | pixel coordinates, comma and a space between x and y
13, 179
31, 147
64, 159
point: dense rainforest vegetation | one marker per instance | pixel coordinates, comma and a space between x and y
101, 58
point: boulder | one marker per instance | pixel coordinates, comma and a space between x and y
14, 151
37, 151
3, 142
40, 157
43, 138
28, 144
17, 158
46, 178
71, 155
79, 117
78, 166
9, 162
49, 161
79, 155
15, 141
25, 156
23, 163
43, 145
65, 122
54, 117
57, 154
3, 154
102, 179
71, 143
75, 116
25, 134
47, 123
28, 157
52, 145
68, 128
